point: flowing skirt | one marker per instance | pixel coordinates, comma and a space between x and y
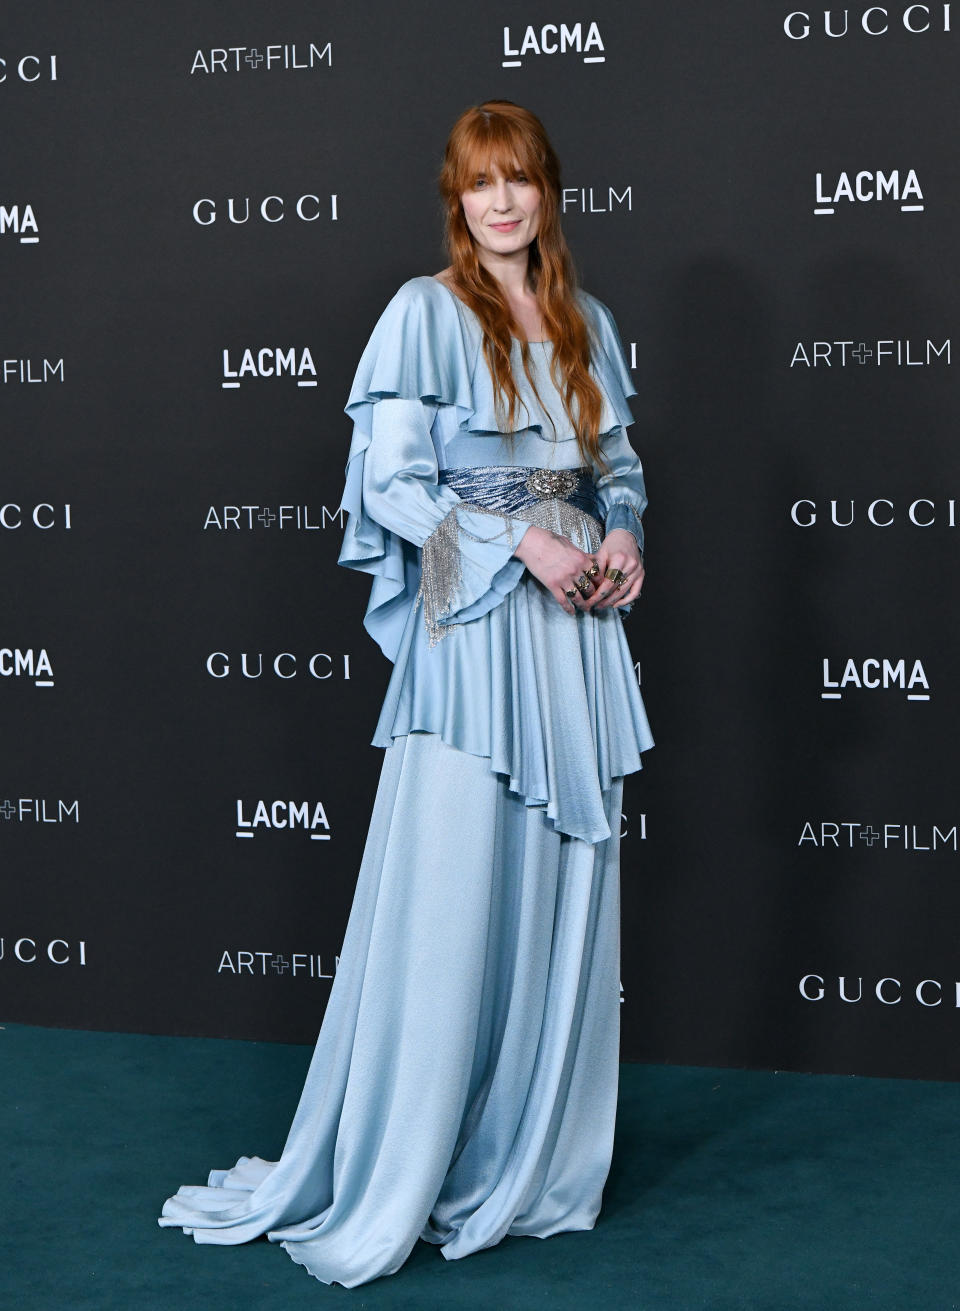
464, 1082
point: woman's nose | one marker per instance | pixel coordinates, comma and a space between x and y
501, 196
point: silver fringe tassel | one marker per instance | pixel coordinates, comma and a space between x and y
441, 573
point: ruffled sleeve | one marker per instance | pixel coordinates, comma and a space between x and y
621, 492
415, 537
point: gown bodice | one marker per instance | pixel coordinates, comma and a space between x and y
551, 699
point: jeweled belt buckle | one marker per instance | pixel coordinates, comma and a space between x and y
551, 484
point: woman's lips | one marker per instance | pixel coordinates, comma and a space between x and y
505, 227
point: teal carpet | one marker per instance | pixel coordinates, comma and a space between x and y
730, 1189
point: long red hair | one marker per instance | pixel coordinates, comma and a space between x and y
499, 136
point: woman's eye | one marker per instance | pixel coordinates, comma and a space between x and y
521, 178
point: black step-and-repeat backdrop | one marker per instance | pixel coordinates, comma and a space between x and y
203, 210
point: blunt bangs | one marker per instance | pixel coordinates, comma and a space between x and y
495, 147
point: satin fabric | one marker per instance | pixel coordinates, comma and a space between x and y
427, 348
550, 699
464, 1083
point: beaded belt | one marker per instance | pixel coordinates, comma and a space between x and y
562, 500
512, 489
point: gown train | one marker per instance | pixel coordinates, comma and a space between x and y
464, 1082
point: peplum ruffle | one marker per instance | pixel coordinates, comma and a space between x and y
550, 699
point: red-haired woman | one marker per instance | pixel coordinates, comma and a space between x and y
464, 1082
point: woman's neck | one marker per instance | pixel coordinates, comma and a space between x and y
511, 271
511, 274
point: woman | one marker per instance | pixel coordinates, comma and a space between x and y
464, 1081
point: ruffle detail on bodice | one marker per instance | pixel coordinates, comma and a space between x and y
427, 346
551, 699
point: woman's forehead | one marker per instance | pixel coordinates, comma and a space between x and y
494, 164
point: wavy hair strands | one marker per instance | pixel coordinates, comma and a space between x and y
501, 137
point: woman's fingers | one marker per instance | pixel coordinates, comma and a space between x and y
604, 590
588, 578
560, 566
634, 587
606, 594
599, 580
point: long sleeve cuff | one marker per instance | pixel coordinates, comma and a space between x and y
623, 515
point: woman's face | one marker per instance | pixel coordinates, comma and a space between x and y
502, 213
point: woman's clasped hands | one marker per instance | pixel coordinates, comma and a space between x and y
561, 566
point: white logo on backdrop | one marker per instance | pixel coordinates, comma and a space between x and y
640, 829
263, 964
876, 20
866, 187
31, 371
825, 835
43, 516
15, 663
880, 513
889, 991
273, 58
308, 208
269, 362
595, 200
899, 352
21, 222
290, 816
553, 39
34, 951
40, 810
300, 518
29, 68
285, 665
874, 675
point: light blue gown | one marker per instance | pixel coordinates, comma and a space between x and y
464, 1082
